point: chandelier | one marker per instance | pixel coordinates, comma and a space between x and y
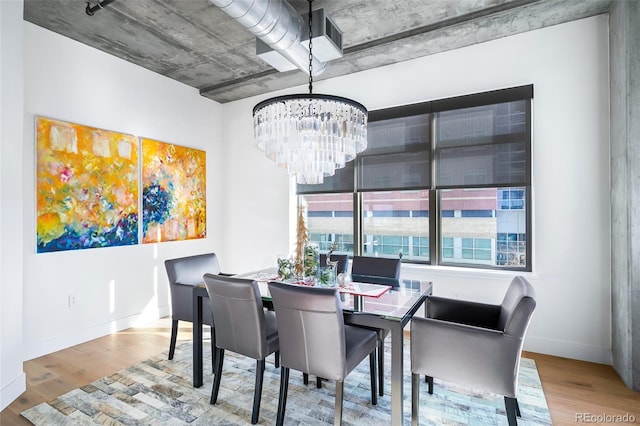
311, 135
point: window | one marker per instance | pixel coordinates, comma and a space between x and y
511, 199
330, 220
442, 182
391, 229
476, 248
481, 237
447, 248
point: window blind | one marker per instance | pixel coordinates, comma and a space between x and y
478, 140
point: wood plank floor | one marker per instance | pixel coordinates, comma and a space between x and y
572, 388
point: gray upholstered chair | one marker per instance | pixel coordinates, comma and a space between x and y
184, 273
243, 326
315, 340
342, 259
473, 344
377, 270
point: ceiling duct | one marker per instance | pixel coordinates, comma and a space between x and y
327, 37
277, 24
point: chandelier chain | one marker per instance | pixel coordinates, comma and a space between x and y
310, 52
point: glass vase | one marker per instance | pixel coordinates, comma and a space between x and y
310, 259
327, 275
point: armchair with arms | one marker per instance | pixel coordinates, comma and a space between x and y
473, 344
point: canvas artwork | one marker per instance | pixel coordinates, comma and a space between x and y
86, 185
173, 193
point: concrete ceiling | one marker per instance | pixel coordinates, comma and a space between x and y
194, 42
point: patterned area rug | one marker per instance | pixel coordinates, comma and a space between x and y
158, 391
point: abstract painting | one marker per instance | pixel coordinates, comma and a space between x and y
87, 187
173, 192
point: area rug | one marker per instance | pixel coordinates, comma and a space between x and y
159, 391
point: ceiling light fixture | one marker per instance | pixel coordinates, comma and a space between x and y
311, 135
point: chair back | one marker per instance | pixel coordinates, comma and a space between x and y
376, 270
237, 308
517, 307
311, 329
188, 271
342, 259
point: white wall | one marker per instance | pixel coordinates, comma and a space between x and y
568, 66
69, 81
12, 378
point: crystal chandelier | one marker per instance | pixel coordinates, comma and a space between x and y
311, 135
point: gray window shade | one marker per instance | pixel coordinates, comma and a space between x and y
406, 170
397, 154
341, 181
483, 146
480, 140
397, 133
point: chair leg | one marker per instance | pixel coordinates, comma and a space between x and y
276, 360
305, 378
511, 405
257, 393
429, 380
518, 409
415, 398
213, 349
381, 366
337, 420
217, 375
174, 337
372, 373
282, 401
318, 382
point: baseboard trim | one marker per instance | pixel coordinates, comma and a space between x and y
562, 349
90, 333
13, 390
570, 350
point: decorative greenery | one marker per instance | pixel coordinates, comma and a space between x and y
285, 268
311, 259
327, 276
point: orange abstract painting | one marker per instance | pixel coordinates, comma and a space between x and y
87, 187
173, 193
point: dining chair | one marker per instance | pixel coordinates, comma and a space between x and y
473, 344
342, 259
342, 266
243, 326
184, 273
377, 270
315, 340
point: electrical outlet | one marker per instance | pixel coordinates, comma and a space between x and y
73, 300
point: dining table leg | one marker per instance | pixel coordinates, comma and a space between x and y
397, 373
197, 340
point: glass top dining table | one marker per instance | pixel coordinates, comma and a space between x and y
392, 310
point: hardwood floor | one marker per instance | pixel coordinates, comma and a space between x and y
576, 391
